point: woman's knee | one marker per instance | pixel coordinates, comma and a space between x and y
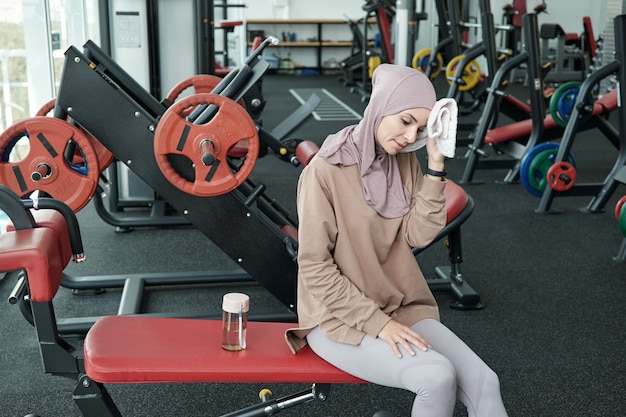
434, 381
491, 381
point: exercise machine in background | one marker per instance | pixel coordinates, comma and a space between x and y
358, 68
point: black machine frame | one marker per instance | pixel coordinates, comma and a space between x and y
252, 233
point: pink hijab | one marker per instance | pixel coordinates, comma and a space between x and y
394, 89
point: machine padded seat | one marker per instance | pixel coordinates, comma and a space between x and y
554, 30
456, 200
54, 220
36, 251
135, 349
523, 128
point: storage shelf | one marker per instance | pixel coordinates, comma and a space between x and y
253, 25
308, 44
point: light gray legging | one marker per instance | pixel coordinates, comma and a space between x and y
448, 370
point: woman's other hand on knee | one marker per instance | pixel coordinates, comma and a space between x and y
396, 335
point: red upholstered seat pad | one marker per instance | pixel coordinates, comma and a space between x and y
54, 220
230, 23
516, 130
135, 349
456, 200
607, 102
36, 251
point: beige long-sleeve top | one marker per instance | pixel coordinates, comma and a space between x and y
356, 269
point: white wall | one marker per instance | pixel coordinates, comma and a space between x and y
303, 9
177, 42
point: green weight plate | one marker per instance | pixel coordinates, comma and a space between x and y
539, 167
558, 96
562, 103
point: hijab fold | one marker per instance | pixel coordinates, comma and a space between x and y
394, 89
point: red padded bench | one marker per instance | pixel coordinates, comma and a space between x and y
456, 200
54, 220
36, 251
523, 128
131, 349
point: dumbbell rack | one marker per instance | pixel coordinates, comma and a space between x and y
102, 98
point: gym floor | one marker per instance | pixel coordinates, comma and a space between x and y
552, 327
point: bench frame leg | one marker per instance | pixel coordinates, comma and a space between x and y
449, 278
93, 399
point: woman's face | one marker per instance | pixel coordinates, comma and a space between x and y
398, 130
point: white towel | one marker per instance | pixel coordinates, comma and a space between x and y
442, 126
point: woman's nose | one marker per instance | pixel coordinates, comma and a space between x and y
411, 135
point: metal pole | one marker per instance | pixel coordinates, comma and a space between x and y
405, 31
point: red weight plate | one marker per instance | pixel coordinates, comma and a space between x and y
45, 167
618, 207
46, 108
230, 126
561, 176
201, 83
105, 156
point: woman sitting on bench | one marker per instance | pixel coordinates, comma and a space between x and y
363, 303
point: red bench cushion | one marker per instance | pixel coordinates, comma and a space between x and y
135, 349
230, 23
52, 219
456, 200
516, 130
606, 103
36, 251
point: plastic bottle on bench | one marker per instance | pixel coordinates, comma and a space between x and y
235, 308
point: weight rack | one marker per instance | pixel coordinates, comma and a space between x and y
244, 223
600, 191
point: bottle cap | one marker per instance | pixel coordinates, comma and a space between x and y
235, 302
